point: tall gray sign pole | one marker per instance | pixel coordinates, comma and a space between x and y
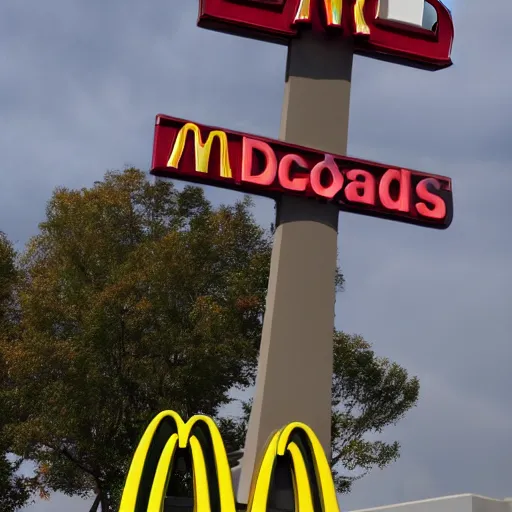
296, 355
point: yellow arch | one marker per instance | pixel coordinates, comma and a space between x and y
181, 438
281, 443
334, 14
202, 150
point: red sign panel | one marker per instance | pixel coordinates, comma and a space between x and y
248, 163
375, 33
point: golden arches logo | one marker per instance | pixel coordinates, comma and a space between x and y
202, 149
295, 444
313, 485
150, 471
334, 14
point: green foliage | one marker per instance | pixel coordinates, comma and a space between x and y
135, 298
369, 393
14, 489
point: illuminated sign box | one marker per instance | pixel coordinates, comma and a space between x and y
417, 33
257, 165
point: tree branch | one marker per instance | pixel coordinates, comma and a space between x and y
83, 467
96, 503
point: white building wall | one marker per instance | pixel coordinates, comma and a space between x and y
458, 503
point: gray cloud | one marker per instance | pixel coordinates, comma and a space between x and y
471, 100
81, 84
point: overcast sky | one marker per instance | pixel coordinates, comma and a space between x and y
81, 82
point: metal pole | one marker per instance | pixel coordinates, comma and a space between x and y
296, 355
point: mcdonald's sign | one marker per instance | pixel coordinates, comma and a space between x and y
294, 448
253, 164
417, 33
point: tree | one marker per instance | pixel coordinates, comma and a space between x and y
137, 297
14, 489
369, 393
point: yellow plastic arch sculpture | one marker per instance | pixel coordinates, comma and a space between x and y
150, 470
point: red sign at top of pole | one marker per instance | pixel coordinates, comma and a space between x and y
417, 33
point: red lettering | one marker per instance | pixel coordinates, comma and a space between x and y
403, 201
438, 210
336, 178
360, 191
268, 175
298, 184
